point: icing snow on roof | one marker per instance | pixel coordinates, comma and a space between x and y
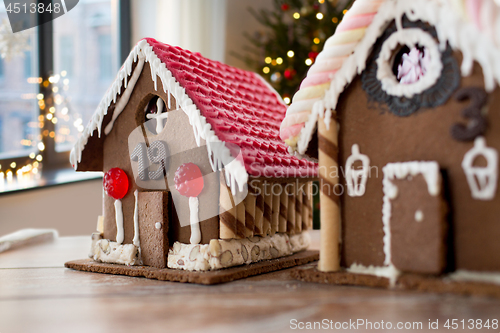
223, 103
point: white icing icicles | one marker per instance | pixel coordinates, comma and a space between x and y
356, 178
125, 96
482, 180
194, 220
119, 221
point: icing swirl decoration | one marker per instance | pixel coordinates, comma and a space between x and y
337, 48
414, 65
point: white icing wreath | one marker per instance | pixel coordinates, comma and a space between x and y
411, 37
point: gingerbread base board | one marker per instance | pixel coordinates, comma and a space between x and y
207, 278
422, 283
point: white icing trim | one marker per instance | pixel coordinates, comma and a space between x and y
410, 37
136, 241
119, 221
122, 103
355, 187
194, 220
486, 185
430, 172
451, 28
485, 277
389, 272
219, 155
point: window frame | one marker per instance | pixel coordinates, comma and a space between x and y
53, 160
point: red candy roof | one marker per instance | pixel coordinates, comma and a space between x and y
241, 108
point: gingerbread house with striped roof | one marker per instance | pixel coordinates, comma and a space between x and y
196, 177
402, 105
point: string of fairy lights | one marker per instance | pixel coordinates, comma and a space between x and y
54, 108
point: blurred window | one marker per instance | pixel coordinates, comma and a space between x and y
105, 57
85, 63
19, 130
1, 68
80, 61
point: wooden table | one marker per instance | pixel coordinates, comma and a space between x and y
37, 294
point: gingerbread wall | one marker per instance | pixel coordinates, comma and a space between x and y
116, 154
474, 226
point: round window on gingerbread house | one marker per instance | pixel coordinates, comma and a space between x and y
153, 113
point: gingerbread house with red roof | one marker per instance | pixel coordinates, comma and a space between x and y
196, 177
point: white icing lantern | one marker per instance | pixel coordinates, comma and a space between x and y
356, 178
482, 180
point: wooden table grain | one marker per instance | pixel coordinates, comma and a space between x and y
37, 294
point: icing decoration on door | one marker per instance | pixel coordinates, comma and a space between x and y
356, 178
115, 183
482, 180
189, 182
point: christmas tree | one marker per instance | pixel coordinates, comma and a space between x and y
296, 32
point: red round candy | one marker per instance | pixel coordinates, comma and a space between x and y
115, 183
189, 180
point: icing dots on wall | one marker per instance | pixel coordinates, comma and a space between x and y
482, 180
356, 178
419, 215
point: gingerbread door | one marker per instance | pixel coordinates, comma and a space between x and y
414, 216
152, 221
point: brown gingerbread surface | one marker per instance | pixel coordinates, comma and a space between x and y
408, 281
208, 277
423, 136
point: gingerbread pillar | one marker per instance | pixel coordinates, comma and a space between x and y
329, 212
